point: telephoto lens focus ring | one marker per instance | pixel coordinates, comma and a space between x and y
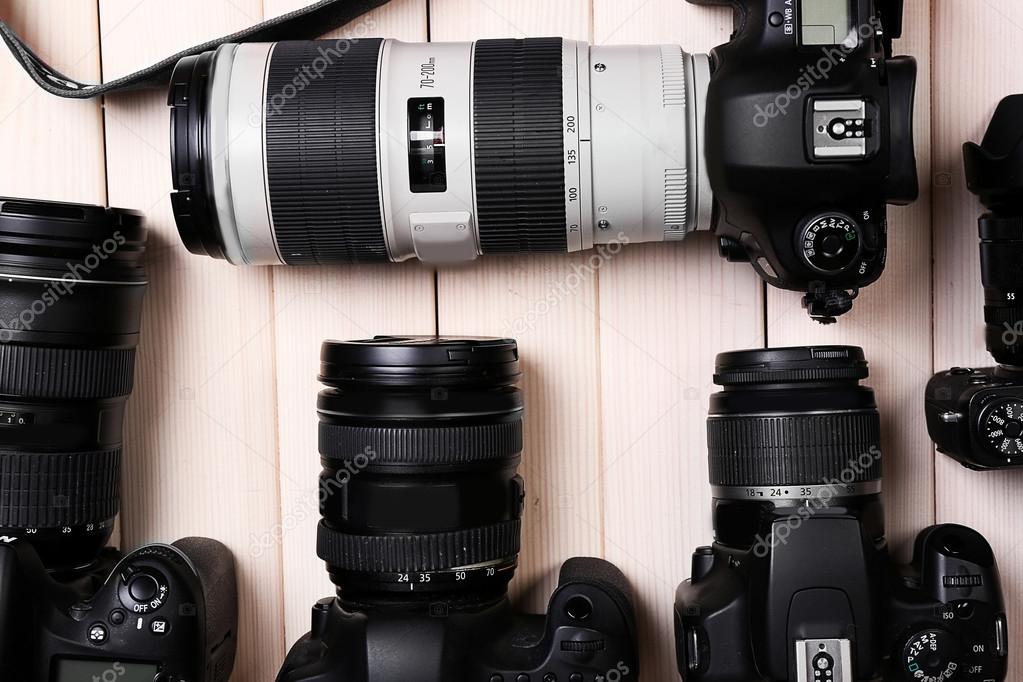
791, 421
420, 440
321, 154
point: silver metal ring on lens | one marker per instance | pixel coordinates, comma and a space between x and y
825, 492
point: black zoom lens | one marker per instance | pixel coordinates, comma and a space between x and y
793, 424
994, 172
420, 439
70, 311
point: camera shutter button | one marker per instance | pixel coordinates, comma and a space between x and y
143, 588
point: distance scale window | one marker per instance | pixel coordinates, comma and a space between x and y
427, 162
826, 22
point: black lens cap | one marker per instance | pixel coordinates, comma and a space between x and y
43, 237
420, 361
804, 364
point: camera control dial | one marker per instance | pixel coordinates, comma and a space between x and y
932, 654
1001, 427
830, 243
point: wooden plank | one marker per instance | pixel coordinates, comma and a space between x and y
891, 320
313, 304
202, 436
550, 310
976, 64
665, 311
53, 148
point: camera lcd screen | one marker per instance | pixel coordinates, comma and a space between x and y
74, 670
427, 164
825, 22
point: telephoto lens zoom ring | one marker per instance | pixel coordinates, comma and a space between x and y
48, 490
70, 373
520, 162
321, 155
748, 450
435, 446
418, 552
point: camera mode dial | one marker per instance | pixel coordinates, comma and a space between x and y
932, 654
830, 243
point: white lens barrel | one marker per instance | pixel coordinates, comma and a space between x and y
630, 145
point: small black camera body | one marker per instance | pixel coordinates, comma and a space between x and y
809, 133
163, 613
420, 442
975, 416
799, 585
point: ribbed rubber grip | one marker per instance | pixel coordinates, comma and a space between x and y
47, 490
321, 152
995, 228
65, 373
792, 450
790, 376
519, 145
424, 552
422, 446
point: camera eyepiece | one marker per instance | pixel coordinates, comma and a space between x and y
994, 172
69, 323
793, 423
420, 439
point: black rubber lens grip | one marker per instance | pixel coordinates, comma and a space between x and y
518, 105
321, 152
48, 490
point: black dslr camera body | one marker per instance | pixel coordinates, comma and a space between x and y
586, 634
799, 585
976, 415
71, 608
164, 613
420, 441
809, 133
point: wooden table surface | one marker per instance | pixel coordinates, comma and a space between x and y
221, 436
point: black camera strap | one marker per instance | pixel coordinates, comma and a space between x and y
308, 22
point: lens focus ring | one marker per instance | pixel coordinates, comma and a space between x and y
321, 153
422, 446
753, 450
46, 490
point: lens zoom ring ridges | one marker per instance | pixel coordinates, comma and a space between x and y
321, 152
520, 145
47, 490
808, 374
43, 372
793, 450
424, 445
421, 552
